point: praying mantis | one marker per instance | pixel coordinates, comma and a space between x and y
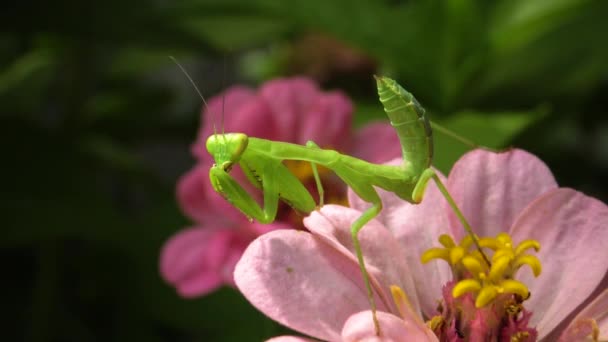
262, 162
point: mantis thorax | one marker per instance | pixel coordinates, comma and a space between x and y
227, 148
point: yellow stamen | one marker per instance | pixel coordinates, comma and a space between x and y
520, 336
435, 253
404, 305
473, 274
446, 241
531, 261
502, 253
499, 268
488, 243
514, 286
527, 244
465, 286
435, 322
400, 298
486, 296
456, 254
504, 239
595, 335
473, 265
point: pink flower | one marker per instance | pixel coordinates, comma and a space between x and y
201, 258
311, 283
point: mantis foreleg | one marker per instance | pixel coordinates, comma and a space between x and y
276, 183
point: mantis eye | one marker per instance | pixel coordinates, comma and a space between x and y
227, 166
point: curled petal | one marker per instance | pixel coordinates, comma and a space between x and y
581, 330
493, 188
360, 327
570, 227
597, 312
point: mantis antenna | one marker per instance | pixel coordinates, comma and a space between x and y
460, 138
198, 91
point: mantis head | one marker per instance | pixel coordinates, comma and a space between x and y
227, 149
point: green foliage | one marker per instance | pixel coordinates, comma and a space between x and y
97, 123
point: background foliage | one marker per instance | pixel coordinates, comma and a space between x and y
96, 124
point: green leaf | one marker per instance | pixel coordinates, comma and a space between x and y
234, 32
23, 68
493, 130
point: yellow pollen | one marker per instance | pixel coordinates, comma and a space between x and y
303, 170
513, 308
473, 274
435, 322
520, 336
340, 200
595, 335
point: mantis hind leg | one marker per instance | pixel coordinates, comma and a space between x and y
418, 193
367, 193
315, 172
367, 216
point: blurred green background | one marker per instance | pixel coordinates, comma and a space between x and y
96, 124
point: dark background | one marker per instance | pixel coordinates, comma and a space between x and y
96, 124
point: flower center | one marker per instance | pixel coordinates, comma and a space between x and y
484, 300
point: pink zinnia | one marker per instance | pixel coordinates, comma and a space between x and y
199, 259
311, 282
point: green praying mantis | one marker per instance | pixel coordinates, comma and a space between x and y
262, 162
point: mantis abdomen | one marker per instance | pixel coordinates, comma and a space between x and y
409, 120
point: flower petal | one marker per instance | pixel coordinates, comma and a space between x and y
193, 259
360, 327
233, 109
597, 311
578, 331
383, 255
290, 339
571, 229
327, 122
288, 101
301, 282
227, 104
493, 188
376, 143
197, 198
253, 118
